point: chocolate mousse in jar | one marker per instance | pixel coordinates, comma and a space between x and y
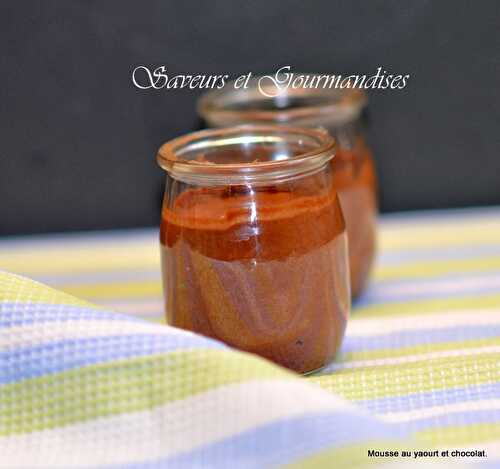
253, 242
338, 111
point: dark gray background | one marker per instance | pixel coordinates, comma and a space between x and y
77, 139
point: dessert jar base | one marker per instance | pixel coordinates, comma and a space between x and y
283, 310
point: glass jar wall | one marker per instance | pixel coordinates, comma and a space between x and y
253, 242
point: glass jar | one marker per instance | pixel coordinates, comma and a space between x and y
253, 242
337, 110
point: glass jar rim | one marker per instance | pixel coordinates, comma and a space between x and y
168, 156
343, 105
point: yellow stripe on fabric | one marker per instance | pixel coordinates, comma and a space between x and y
128, 256
417, 349
409, 378
123, 386
121, 290
160, 319
414, 235
436, 268
459, 436
17, 289
419, 307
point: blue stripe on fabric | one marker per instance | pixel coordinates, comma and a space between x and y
442, 216
56, 357
489, 463
380, 292
81, 239
381, 298
20, 314
282, 442
101, 277
451, 419
403, 339
437, 254
449, 277
422, 400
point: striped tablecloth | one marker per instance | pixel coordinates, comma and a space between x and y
422, 348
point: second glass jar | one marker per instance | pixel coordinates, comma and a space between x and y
339, 112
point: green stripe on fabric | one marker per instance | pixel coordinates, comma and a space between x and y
348, 457
17, 289
408, 378
463, 435
160, 319
417, 349
82, 258
122, 290
415, 236
419, 307
435, 269
123, 387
